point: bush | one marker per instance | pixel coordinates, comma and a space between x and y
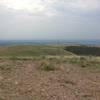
6, 68
84, 50
47, 66
14, 58
82, 59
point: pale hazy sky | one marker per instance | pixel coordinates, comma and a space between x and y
49, 19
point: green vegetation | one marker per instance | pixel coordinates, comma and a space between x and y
47, 66
32, 50
83, 61
51, 55
69, 82
45, 50
84, 50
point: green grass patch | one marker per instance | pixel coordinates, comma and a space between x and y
32, 50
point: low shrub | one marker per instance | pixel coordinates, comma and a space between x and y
14, 58
47, 66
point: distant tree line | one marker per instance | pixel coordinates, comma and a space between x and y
84, 50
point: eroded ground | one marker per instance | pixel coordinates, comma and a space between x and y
25, 80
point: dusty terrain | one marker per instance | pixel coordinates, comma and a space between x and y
25, 80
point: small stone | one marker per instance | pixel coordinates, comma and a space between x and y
1, 77
16, 83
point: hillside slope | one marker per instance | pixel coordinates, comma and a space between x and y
32, 50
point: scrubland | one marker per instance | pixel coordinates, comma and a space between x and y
48, 72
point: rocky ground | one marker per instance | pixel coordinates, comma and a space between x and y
25, 80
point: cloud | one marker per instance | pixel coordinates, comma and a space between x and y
87, 5
49, 19
51, 7
29, 5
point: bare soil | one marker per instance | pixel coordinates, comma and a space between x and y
23, 80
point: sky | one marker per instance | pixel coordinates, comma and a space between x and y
49, 19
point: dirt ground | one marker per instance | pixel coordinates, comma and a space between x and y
23, 80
